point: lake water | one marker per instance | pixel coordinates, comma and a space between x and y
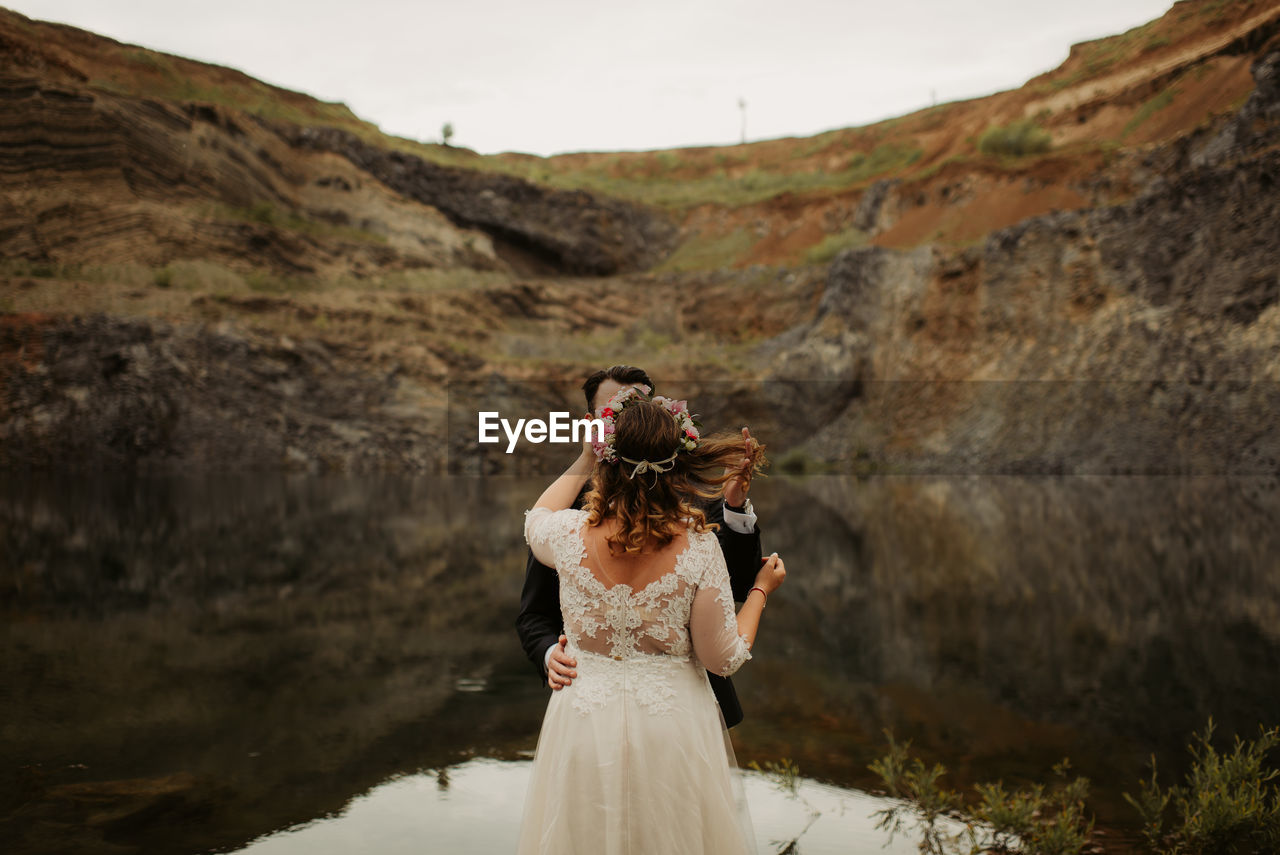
276, 664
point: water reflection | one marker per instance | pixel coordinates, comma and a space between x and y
192, 664
478, 810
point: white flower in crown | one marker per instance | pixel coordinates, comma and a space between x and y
609, 412
679, 410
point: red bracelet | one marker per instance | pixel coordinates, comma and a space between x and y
762, 591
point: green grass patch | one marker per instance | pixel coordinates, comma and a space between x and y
1149, 109
708, 253
38, 269
267, 282
1217, 8
151, 74
936, 167
823, 142
1016, 139
265, 213
659, 178
834, 244
202, 275
426, 280
749, 188
1100, 56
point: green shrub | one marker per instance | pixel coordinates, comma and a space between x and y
1038, 820
797, 461
1228, 803
1046, 821
1018, 138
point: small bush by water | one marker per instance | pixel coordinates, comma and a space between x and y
1227, 804
1045, 820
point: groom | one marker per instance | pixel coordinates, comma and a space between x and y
540, 625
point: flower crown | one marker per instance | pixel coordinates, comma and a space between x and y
679, 410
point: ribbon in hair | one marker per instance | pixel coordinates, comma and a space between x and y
651, 466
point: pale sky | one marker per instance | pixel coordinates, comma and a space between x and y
549, 76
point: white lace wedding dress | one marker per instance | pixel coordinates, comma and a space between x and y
633, 756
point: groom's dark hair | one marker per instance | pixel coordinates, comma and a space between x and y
626, 375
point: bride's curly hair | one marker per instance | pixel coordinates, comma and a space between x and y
651, 507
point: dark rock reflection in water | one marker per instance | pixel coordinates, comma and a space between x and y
189, 664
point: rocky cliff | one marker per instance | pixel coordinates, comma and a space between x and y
1135, 337
96, 171
105, 392
189, 284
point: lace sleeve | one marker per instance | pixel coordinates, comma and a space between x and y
713, 626
545, 528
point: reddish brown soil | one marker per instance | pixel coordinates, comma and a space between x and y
1100, 100
1199, 51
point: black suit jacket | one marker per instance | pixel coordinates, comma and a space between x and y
540, 622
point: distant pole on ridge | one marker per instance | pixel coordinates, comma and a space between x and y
742, 106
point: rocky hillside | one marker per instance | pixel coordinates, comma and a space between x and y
1075, 137
1136, 337
95, 175
228, 275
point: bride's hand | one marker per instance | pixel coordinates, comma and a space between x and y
772, 573
735, 490
588, 449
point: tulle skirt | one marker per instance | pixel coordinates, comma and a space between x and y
633, 759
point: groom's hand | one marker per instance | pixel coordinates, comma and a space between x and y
560, 666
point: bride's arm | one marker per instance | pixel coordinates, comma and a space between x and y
770, 577
721, 640
539, 527
565, 489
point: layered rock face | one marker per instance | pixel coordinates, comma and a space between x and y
91, 178
1141, 337
109, 392
93, 175
572, 232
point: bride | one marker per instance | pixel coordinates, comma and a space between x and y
632, 756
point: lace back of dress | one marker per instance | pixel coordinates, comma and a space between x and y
621, 621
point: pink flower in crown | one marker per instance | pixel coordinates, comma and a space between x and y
679, 411
609, 412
